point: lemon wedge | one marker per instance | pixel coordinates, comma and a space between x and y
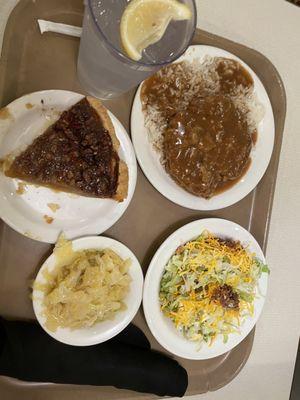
144, 22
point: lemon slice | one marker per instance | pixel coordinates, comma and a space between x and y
144, 22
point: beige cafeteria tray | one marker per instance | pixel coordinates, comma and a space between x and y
32, 62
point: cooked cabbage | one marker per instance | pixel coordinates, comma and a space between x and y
89, 289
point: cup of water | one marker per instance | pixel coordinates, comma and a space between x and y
104, 69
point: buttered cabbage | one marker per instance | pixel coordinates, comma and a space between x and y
84, 288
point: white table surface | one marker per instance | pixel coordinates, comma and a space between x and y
273, 28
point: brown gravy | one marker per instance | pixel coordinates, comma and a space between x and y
206, 145
254, 137
229, 184
166, 95
207, 140
232, 74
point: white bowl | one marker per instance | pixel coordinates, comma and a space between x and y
149, 159
104, 330
162, 327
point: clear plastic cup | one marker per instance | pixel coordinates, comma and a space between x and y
103, 69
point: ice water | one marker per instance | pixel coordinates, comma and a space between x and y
103, 68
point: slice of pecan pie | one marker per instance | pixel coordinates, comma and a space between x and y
78, 154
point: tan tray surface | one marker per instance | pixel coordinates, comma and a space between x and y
32, 62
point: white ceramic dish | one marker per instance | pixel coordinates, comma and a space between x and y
26, 118
162, 327
104, 330
148, 158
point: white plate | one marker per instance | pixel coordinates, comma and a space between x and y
104, 330
260, 155
162, 327
77, 215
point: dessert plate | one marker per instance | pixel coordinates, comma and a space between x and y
41, 213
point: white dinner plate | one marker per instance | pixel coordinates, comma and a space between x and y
162, 327
22, 121
104, 330
261, 153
